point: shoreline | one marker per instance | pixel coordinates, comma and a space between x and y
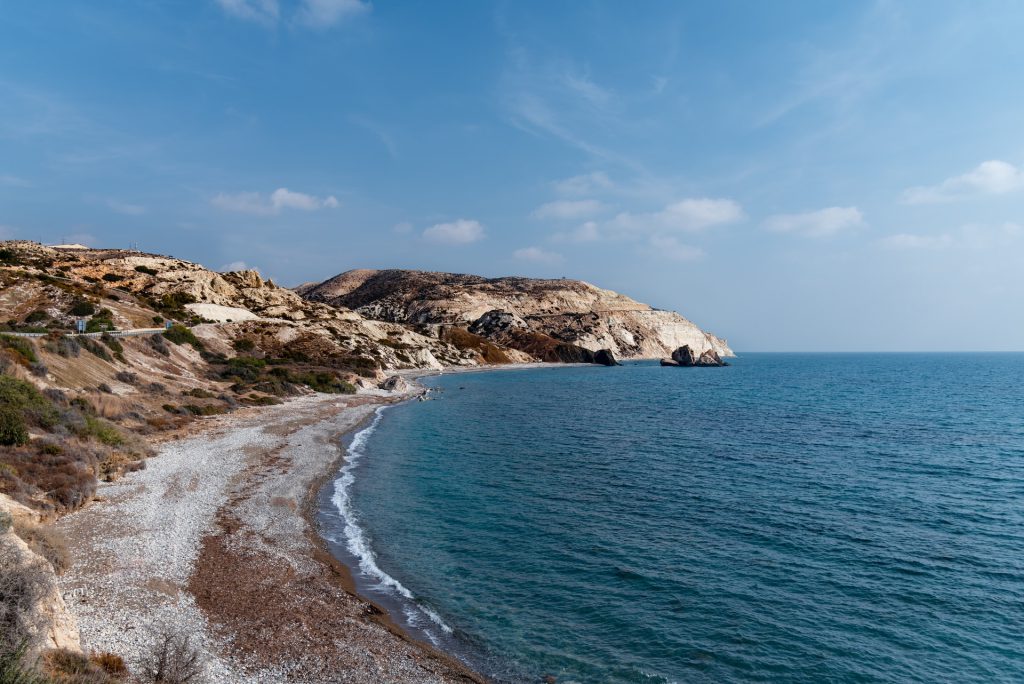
219, 538
216, 539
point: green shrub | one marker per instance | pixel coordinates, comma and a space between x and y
24, 398
112, 342
243, 344
158, 320
13, 431
102, 431
179, 334
112, 277
21, 346
37, 316
146, 269
82, 307
9, 257
95, 348
14, 667
68, 347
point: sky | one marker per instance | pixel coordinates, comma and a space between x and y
793, 176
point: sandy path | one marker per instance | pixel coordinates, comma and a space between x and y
212, 539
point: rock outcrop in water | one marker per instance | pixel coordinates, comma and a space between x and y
686, 357
530, 315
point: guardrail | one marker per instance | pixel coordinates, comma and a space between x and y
136, 332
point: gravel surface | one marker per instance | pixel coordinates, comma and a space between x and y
219, 515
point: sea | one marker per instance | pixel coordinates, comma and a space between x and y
788, 518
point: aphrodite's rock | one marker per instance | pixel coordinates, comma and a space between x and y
685, 357
605, 358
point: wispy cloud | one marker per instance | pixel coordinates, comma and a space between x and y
321, 14
656, 233
14, 181
315, 14
125, 208
260, 11
688, 216
537, 255
282, 198
992, 177
817, 224
460, 232
379, 132
974, 236
585, 184
569, 209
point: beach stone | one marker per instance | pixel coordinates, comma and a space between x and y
605, 358
395, 383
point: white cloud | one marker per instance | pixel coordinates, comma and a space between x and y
282, 198
992, 177
326, 13
537, 255
688, 215
815, 224
237, 266
657, 228
260, 11
461, 232
125, 208
585, 184
669, 247
569, 209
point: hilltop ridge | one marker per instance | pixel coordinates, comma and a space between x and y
503, 309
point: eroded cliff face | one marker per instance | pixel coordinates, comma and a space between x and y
569, 311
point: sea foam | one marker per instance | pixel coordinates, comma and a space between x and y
358, 543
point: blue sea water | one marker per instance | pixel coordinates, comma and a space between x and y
793, 517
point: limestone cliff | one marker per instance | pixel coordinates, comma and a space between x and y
569, 311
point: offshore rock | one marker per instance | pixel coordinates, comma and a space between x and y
685, 357
605, 358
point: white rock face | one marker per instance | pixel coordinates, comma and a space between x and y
220, 313
567, 310
50, 624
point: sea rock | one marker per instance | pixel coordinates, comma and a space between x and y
605, 358
710, 358
685, 357
396, 383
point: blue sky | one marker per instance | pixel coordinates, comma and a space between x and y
790, 175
